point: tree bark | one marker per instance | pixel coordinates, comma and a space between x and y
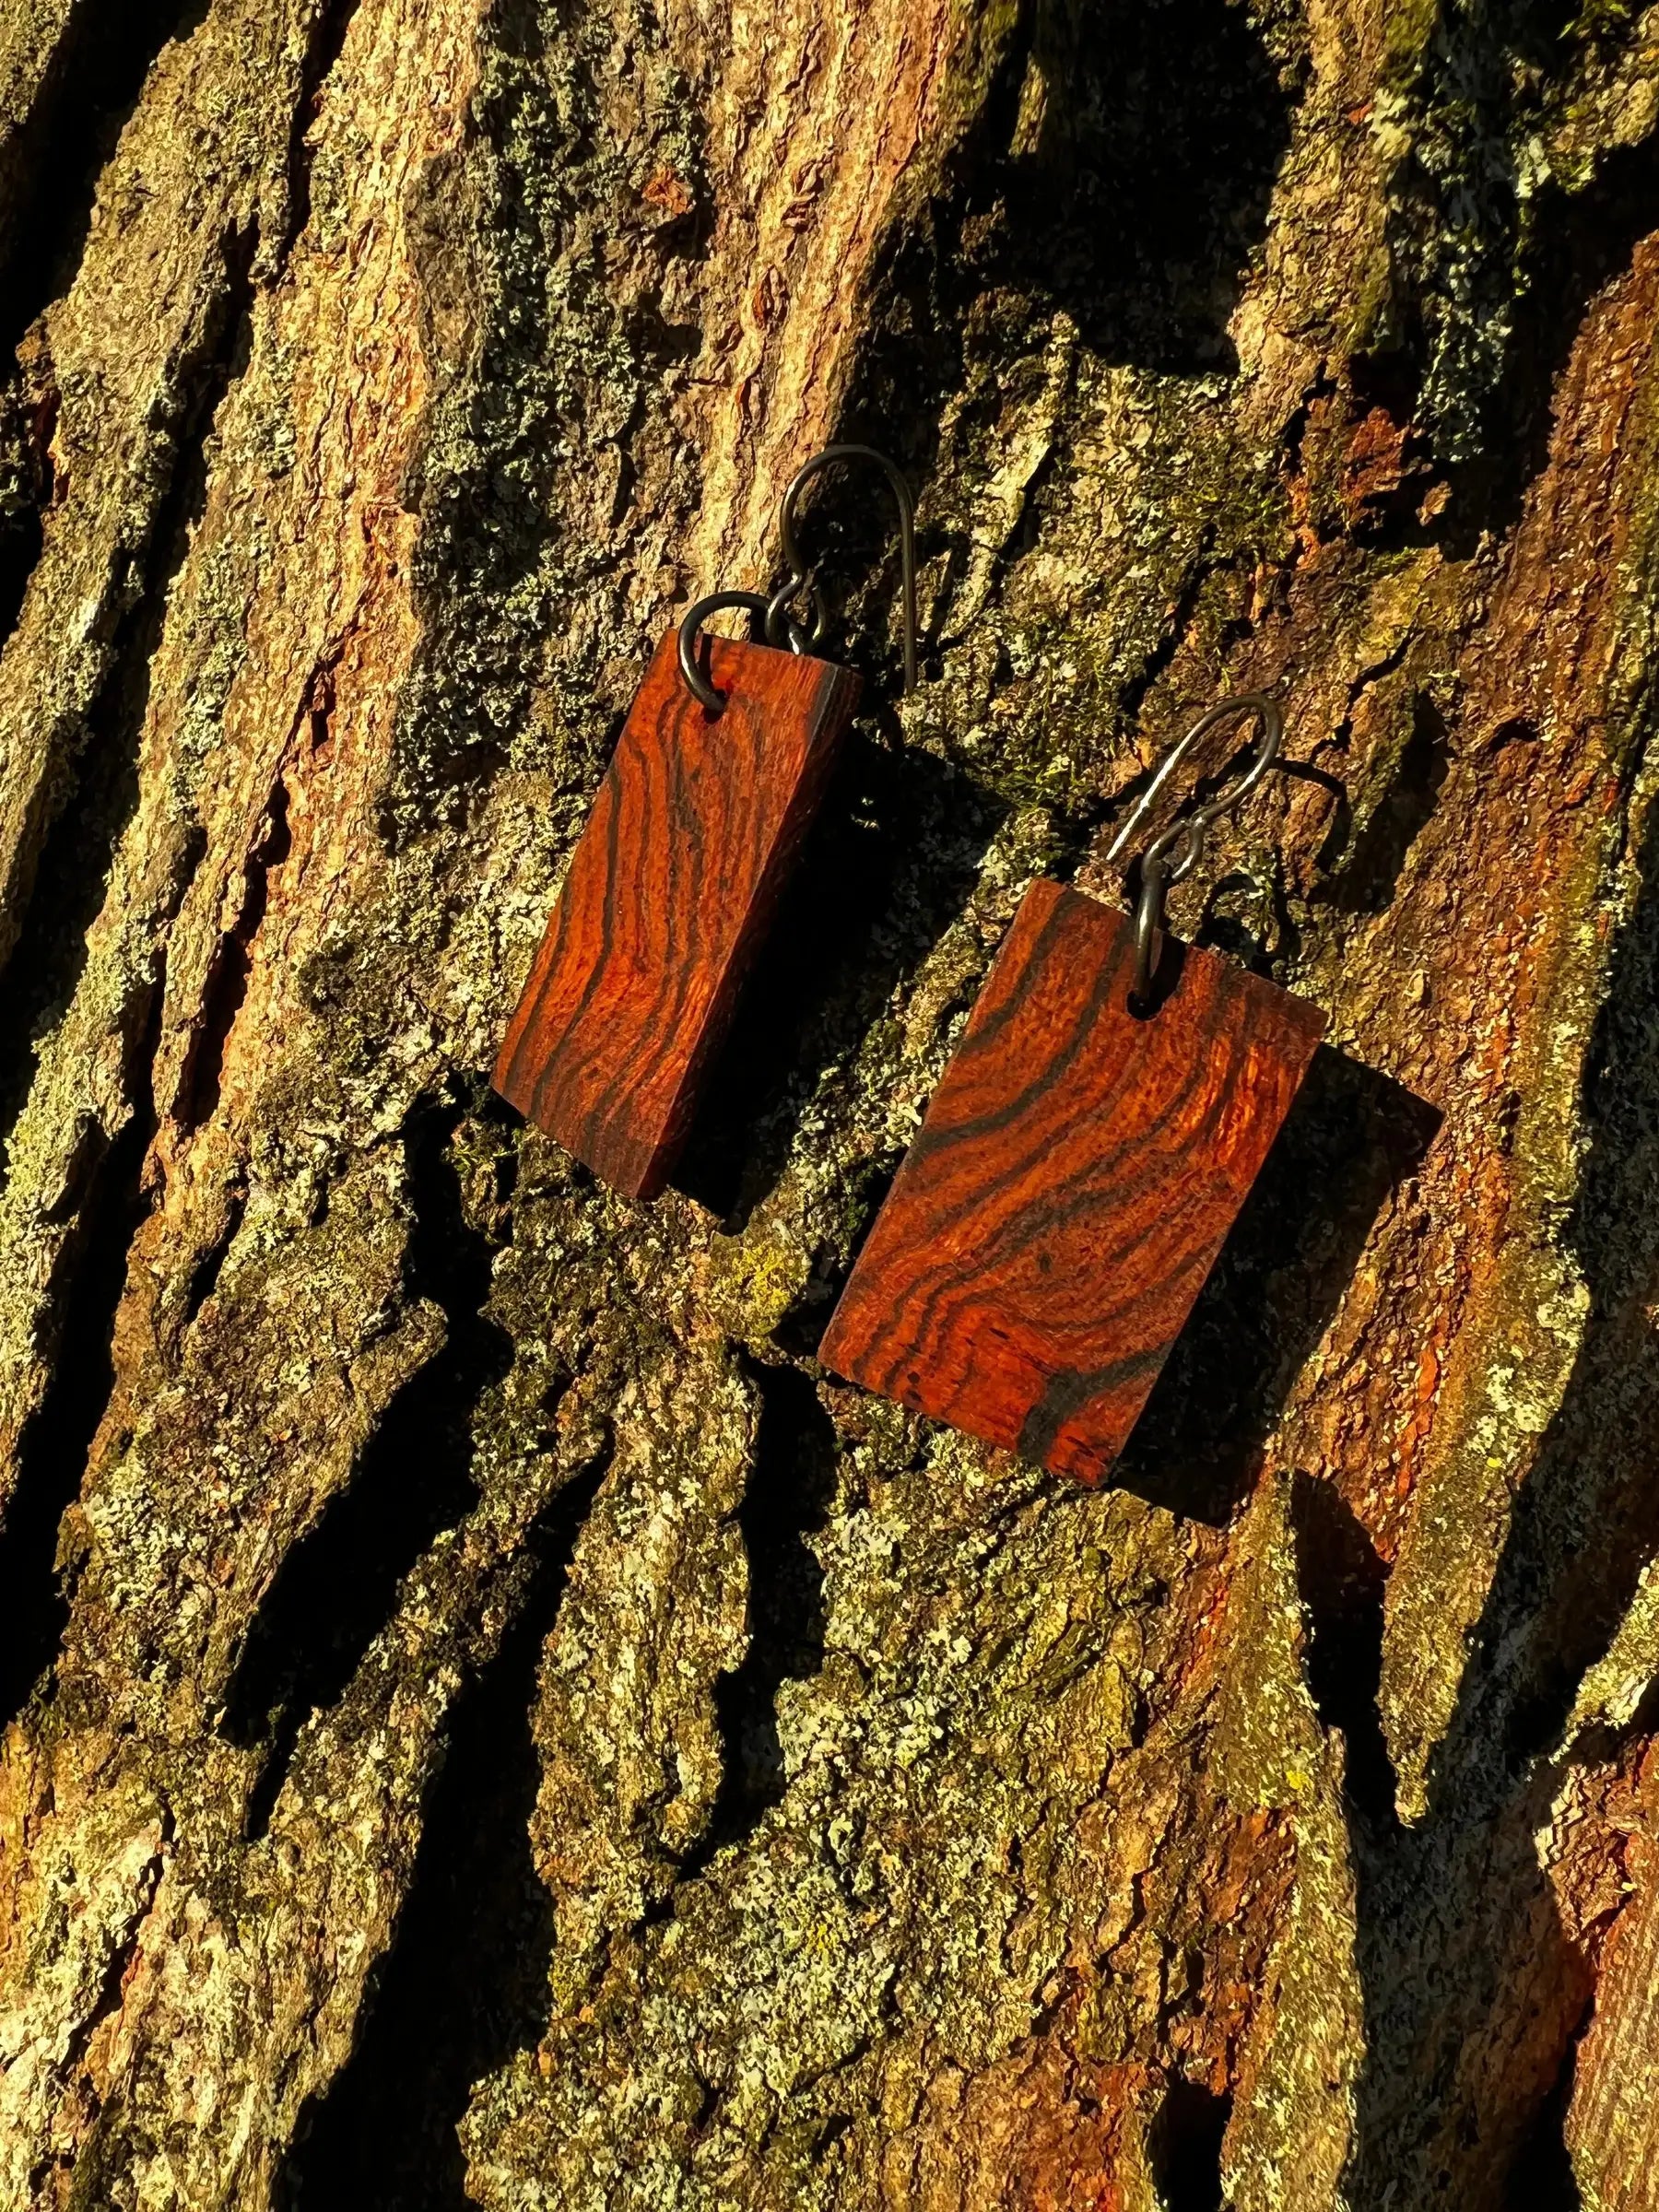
490, 1718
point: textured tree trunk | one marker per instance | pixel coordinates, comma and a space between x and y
489, 1718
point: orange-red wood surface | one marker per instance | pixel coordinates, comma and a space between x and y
1074, 1180
668, 893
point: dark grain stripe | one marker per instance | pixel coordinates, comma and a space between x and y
668, 893
1078, 1170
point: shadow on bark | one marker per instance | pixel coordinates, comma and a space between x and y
1147, 187
1183, 2148
1492, 267
789, 1487
891, 861
1530, 255
1350, 1139
328, 28
1122, 170
53, 1461
1579, 242
48, 182
21, 537
1361, 880
39, 978
37, 985
1463, 2097
50, 177
1473, 1994
465, 1983
1543, 2179
1125, 174
338, 1587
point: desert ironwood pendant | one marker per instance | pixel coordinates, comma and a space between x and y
668, 893
1089, 1147
716, 777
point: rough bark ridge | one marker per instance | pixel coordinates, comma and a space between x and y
490, 1719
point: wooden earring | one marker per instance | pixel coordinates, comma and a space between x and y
1085, 1153
715, 778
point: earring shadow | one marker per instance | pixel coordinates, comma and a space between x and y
1350, 1139
890, 862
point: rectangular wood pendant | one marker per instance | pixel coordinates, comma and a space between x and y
1074, 1180
668, 893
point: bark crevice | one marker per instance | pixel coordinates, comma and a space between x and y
36, 1580
464, 1985
337, 1588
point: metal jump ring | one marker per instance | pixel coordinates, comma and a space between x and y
781, 629
696, 682
1184, 838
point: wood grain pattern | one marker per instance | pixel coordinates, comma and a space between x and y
1071, 1187
668, 894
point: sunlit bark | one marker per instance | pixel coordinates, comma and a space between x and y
488, 1715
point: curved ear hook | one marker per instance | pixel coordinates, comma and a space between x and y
1184, 838
801, 573
781, 629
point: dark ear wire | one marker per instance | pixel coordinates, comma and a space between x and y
781, 627
801, 574
1174, 853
